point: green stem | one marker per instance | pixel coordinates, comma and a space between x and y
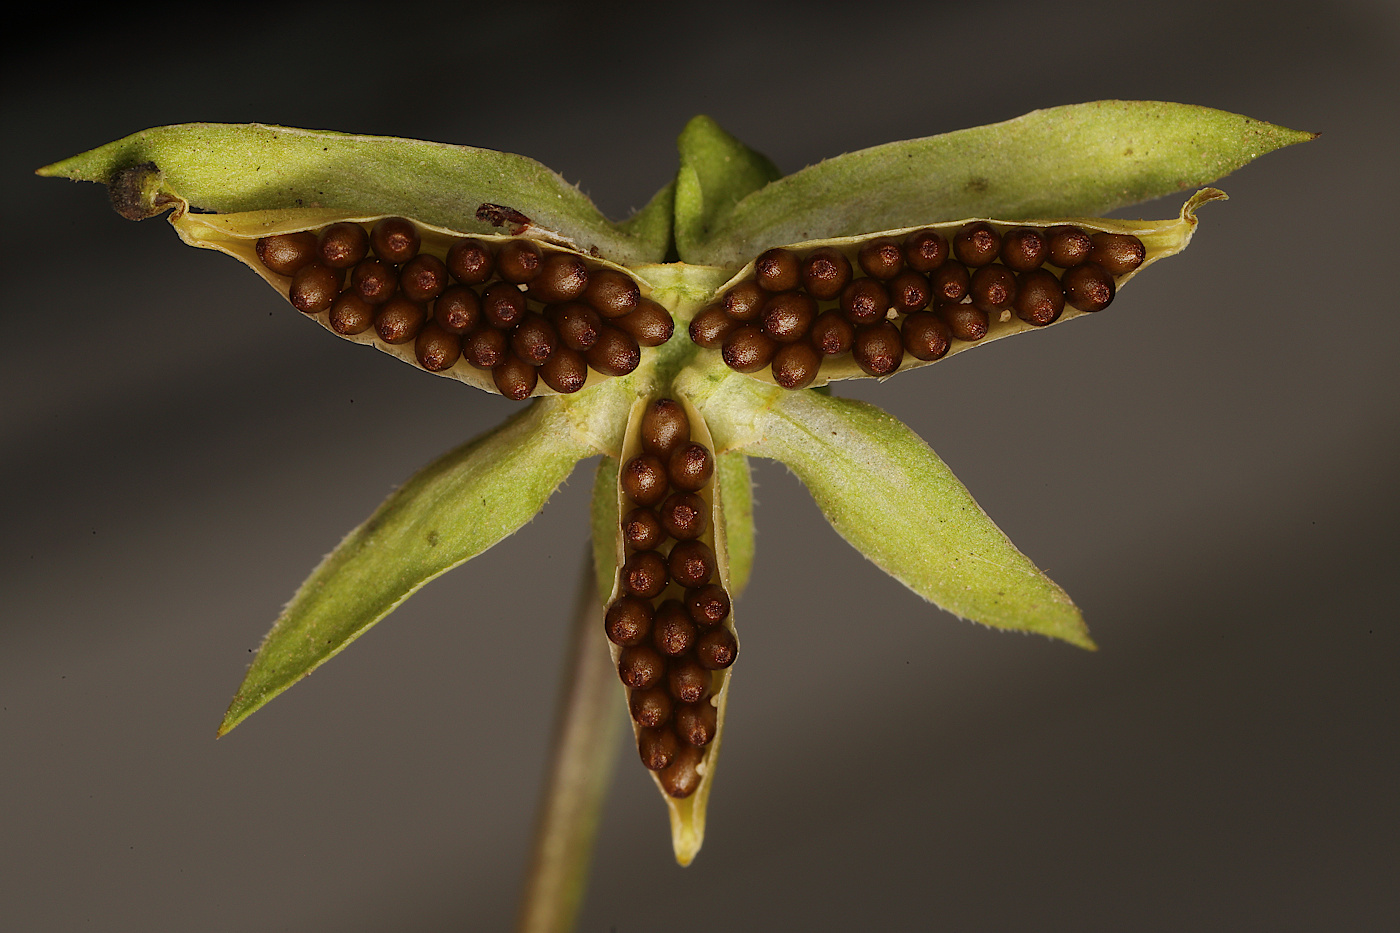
585, 745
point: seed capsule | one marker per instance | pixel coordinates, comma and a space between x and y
696, 723
716, 649
925, 336
436, 349
650, 708
611, 293
615, 353
681, 777
514, 377
565, 371
795, 365
673, 632
690, 467
287, 253
878, 348
641, 668
395, 240
1117, 253
744, 301
470, 262
708, 605
641, 529
657, 747
710, 326
825, 273
1067, 246
993, 288
691, 563
665, 427
864, 301
650, 325
457, 310
485, 347
1023, 249
399, 320
314, 288
518, 261
881, 259
688, 681
1039, 298
503, 305
684, 516
776, 270
423, 278
1088, 287
748, 349
964, 321
925, 250
976, 244
533, 339
350, 314
909, 292
788, 316
577, 324
374, 281
644, 479
343, 244
831, 333
628, 621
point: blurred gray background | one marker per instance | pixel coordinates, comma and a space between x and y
1209, 469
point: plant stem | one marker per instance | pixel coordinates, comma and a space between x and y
585, 746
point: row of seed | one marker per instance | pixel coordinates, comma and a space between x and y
524, 314
915, 296
669, 617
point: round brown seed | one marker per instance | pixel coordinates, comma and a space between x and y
644, 479
1067, 246
611, 293
423, 278
689, 682
470, 262
641, 529
665, 427
503, 305
398, 320
650, 707
697, 723
864, 301
993, 288
825, 272
673, 632
562, 277
343, 244
577, 324
976, 244
485, 347
657, 747
395, 240
651, 325
744, 302
350, 314
287, 253
684, 516
690, 467
881, 259
681, 777
436, 348
1088, 287
628, 621
1039, 298
964, 321
776, 270
640, 667
457, 310
795, 365
748, 349
534, 339
708, 605
925, 250
950, 283
374, 281
691, 563
909, 292
710, 326
878, 349
518, 261
1117, 253
1023, 249
644, 575
515, 378
925, 336
315, 287
716, 649
831, 333
566, 371
615, 353
788, 316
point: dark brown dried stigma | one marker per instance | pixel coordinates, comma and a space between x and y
395, 240
470, 262
562, 277
776, 270
615, 353
343, 244
657, 747
518, 261
628, 621
690, 467
665, 426
287, 253
436, 348
423, 278
641, 529
684, 516
315, 287
796, 365
644, 575
976, 244
566, 371
515, 378
878, 349
681, 777
1039, 298
825, 272
881, 259
374, 281
697, 722
612, 293
717, 648
1117, 253
399, 320
708, 605
644, 479
692, 563
1088, 287
650, 324
640, 667
650, 707
925, 336
457, 310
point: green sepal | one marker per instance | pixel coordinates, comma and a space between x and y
716, 173
1078, 160
229, 168
443, 516
895, 501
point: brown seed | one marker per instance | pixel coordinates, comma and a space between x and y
628, 621
674, 631
665, 426
1039, 298
690, 467
615, 353
748, 349
343, 244
776, 270
689, 682
514, 377
395, 240
611, 293
716, 649
485, 347
576, 323
881, 259
398, 320
423, 278
351, 314
993, 288
315, 287
1067, 246
644, 575
470, 262
1117, 253
865, 301
457, 310
681, 777
287, 253
878, 349
518, 261
925, 336
650, 324
691, 563
831, 333
697, 722
710, 326
533, 339
909, 292
641, 529
925, 250
795, 365
1088, 287
640, 667
644, 479
566, 371
976, 244
650, 707
825, 272
788, 316
436, 348
503, 305
657, 747
950, 283
744, 302
964, 321
374, 281
708, 605
1023, 249
562, 277
684, 516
